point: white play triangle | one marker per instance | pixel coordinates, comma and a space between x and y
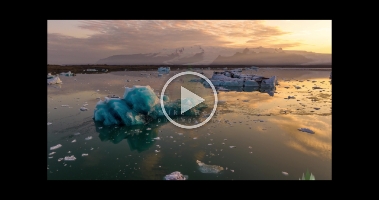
188, 100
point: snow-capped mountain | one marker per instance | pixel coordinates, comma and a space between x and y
212, 55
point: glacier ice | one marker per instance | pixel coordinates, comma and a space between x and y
53, 79
70, 158
163, 70
175, 176
204, 168
67, 73
55, 147
235, 78
138, 105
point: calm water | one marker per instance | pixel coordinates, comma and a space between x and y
263, 128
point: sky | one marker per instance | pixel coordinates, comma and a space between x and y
87, 41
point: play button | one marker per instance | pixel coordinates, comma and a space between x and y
189, 100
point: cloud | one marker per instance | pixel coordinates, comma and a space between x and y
114, 37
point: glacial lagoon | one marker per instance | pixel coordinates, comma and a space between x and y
254, 134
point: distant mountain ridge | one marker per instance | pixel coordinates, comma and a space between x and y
197, 55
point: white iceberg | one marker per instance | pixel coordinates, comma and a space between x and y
67, 73
56, 147
70, 158
53, 80
83, 108
204, 168
235, 78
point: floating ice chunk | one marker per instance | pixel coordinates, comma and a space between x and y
65, 105
164, 69
180, 133
307, 130
55, 147
76, 133
138, 103
73, 141
86, 104
157, 138
60, 159
49, 123
232, 170
195, 138
83, 108
285, 173
70, 158
204, 168
148, 129
175, 176
52, 153
232, 147
53, 80
67, 73
50, 157
157, 151
88, 138
85, 154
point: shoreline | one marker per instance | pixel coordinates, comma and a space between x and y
79, 69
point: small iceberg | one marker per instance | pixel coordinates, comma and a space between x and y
53, 79
175, 176
88, 138
67, 73
204, 168
70, 158
83, 108
56, 147
163, 70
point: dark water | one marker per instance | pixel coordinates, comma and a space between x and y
263, 129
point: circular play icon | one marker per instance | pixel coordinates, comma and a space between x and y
189, 100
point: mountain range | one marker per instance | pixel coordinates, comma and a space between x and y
210, 55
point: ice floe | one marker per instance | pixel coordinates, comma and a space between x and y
56, 147
204, 168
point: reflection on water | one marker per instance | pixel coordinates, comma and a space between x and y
136, 138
